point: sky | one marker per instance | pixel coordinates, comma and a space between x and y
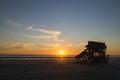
45, 27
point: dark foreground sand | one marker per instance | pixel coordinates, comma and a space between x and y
57, 69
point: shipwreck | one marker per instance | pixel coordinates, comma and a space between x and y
95, 52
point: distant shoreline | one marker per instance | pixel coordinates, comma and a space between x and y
41, 56
34, 57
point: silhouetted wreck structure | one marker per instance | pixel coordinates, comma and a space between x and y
95, 52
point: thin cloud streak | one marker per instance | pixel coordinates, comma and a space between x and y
47, 34
21, 45
39, 37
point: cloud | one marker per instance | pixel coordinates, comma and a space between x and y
5, 48
50, 32
53, 45
22, 45
83, 43
13, 23
39, 37
47, 34
29, 28
50, 46
18, 45
69, 45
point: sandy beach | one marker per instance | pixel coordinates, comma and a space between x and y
57, 69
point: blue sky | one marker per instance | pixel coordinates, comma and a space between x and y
60, 22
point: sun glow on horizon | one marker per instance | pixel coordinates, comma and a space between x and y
62, 53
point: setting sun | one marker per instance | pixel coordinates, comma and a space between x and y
61, 53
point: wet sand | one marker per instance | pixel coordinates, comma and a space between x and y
57, 69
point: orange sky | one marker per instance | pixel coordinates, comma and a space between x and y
48, 26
